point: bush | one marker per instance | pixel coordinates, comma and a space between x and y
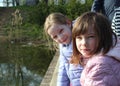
34, 16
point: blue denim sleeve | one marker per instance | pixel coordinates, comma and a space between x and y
97, 6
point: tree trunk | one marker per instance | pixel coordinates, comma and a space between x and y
46, 1
17, 2
13, 3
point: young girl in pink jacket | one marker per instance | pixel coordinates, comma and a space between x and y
94, 47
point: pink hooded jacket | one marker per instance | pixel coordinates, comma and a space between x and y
103, 70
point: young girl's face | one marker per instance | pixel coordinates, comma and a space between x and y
86, 43
60, 33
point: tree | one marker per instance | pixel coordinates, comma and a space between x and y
46, 1
37, 1
17, 2
13, 2
6, 3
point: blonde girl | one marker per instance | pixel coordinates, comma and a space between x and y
59, 28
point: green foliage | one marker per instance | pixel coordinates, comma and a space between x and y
37, 14
75, 9
57, 8
37, 62
31, 31
33, 17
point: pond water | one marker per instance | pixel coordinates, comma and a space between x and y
23, 65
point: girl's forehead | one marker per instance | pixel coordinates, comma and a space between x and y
55, 26
89, 30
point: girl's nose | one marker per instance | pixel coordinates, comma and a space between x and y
60, 37
84, 41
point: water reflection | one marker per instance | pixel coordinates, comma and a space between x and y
10, 75
23, 65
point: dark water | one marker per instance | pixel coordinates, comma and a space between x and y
23, 64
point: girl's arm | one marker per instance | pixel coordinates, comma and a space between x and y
101, 73
63, 79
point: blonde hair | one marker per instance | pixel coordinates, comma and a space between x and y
54, 18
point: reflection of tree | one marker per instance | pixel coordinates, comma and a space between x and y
8, 76
30, 66
36, 59
15, 32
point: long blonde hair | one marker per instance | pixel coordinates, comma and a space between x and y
54, 18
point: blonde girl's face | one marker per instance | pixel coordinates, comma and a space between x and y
86, 43
60, 33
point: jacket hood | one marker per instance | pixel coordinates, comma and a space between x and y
115, 51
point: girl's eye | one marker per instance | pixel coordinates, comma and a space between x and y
54, 37
61, 31
91, 36
78, 37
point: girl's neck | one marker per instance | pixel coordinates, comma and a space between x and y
84, 61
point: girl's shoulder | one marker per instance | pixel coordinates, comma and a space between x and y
103, 59
104, 69
102, 64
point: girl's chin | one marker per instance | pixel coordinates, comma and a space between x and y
66, 43
86, 56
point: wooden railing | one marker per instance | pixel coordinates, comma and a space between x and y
50, 77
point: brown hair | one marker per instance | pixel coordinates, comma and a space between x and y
102, 28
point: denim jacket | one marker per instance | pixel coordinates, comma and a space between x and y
106, 7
